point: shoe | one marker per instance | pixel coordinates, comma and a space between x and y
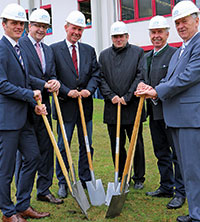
49, 198
138, 186
62, 192
13, 218
31, 213
159, 193
176, 202
186, 218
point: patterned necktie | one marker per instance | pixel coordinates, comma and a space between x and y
39, 52
182, 50
74, 58
17, 49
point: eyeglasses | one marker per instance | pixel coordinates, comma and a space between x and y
44, 26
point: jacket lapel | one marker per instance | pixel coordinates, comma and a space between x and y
67, 57
82, 60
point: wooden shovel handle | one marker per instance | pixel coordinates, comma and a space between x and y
133, 141
85, 133
66, 144
57, 151
117, 137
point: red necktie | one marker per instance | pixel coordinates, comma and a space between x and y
74, 58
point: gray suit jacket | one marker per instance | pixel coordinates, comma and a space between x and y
180, 89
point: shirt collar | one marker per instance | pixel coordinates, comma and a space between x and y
12, 41
69, 44
154, 51
33, 40
187, 43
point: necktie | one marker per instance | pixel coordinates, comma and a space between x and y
74, 58
39, 52
182, 50
17, 49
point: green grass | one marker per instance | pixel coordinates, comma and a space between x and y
138, 207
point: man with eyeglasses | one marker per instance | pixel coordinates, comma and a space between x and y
43, 77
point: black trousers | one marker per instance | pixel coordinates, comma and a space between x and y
170, 176
139, 159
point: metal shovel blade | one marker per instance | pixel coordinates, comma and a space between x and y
112, 190
82, 205
116, 205
80, 194
96, 192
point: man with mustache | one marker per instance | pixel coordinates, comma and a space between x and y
156, 65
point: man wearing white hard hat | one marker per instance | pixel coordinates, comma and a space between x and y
156, 65
43, 77
121, 70
78, 71
16, 131
179, 93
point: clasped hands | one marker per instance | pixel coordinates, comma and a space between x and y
52, 85
39, 109
74, 93
117, 99
144, 89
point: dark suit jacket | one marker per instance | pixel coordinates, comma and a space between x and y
156, 69
37, 77
66, 74
180, 89
15, 90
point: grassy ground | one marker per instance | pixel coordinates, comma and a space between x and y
138, 207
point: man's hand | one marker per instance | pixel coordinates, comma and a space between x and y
149, 92
41, 109
142, 86
73, 93
123, 102
37, 95
116, 99
53, 85
85, 93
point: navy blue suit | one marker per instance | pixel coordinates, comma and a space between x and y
179, 92
88, 79
16, 131
38, 80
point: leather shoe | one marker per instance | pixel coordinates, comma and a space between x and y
159, 193
186, 218
49, 198
176, 202
62, 192
31, 213
13, 218
138, 186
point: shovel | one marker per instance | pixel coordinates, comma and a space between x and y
117, 201
77, 186
95, 187
114, 188
62, 164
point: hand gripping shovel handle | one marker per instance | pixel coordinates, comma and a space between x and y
66, 144
132, 144
117, 142
85, 134
55, 146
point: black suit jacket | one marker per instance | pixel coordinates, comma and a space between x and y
88, 78
37, 77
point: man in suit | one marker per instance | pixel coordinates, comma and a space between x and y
43, 77
16, 131
121, 70
179, 93
156, 65
78, 72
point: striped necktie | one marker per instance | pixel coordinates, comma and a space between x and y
74, 58
182, 50
17, 49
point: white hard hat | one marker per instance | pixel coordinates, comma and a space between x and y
40, 15
183, 9
158, 22
76, 18
118, 28
14, 12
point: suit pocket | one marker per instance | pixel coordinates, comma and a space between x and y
191, 99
